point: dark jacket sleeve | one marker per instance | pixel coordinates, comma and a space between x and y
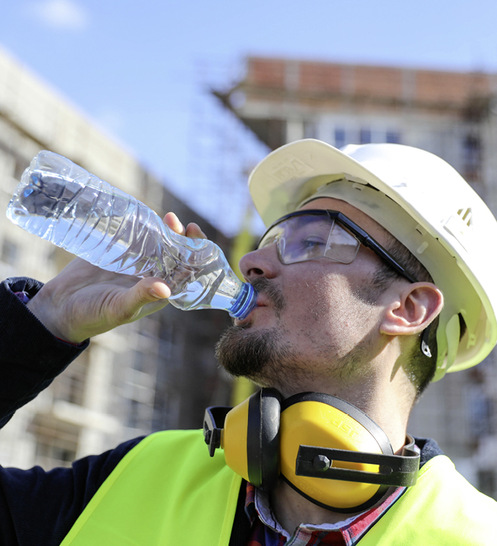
30, 356
38, 507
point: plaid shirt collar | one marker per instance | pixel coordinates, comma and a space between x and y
266, 530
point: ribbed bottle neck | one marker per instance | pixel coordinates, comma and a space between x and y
245, 302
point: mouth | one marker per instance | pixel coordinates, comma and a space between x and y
261, 301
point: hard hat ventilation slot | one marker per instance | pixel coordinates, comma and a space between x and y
459, 225
466, 216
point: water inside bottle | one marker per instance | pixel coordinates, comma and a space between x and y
211, 286
114, 231
81, 219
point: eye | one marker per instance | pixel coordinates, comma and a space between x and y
312, 241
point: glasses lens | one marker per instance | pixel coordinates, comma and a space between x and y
308, 237
342, 245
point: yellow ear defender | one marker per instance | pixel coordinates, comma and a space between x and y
249, 435
328, 450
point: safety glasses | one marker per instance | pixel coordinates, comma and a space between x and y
313, 234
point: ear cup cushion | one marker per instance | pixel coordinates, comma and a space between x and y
263, 438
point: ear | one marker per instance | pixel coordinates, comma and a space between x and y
414, 308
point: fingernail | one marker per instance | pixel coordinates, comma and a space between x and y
156, 294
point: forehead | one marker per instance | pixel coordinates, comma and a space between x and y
360, 218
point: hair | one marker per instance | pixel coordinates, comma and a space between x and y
419, 368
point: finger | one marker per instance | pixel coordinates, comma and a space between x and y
159, 290
173, 222
145, 297
148, 290
194, 231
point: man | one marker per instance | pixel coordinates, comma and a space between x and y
373, 279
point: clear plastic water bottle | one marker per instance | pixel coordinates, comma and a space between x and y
66, 205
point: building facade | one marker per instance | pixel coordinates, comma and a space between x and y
452, 114
156, 373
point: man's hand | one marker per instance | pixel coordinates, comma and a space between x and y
83, 300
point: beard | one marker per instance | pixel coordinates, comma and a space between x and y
242, 352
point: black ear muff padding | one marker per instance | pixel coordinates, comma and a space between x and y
263, 438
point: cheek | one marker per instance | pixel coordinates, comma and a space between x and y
316, 298
329, 307
323, 314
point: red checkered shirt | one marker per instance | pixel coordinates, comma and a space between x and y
266, 531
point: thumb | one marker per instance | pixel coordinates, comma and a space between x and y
145, 297
156, 289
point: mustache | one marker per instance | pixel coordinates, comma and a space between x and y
264, 286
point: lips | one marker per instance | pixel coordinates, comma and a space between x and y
261, 301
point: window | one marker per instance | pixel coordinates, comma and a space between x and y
310, 130
71, 385
340, 137
56, 441
487, 482
471, 155
365, 136
19, 168
9, 252
393, 137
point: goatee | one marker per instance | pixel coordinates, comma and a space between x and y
245, 353
250, 353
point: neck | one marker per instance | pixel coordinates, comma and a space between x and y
387, 403
292, 509
383, 392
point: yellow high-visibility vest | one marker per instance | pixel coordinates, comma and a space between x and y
167, 491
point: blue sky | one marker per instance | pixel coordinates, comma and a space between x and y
141, 69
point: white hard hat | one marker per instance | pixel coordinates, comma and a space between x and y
424, 203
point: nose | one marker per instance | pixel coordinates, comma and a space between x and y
262, 262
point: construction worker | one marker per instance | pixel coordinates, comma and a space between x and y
374, 278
